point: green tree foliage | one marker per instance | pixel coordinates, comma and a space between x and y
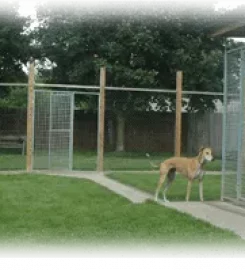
14, 44
139, 51
15, 50
139, 48
16, 98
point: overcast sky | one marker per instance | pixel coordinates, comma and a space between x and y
228, 4
27, 6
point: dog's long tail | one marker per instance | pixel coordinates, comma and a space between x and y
153, 165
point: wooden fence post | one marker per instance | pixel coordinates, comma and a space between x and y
101, 122
30, 111
178, 123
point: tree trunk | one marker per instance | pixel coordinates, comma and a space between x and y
120, 147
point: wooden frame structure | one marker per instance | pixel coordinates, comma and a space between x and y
101, 91
178, 113
101, 122
101, 117
229, 24
30, 111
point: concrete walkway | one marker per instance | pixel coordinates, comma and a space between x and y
132, 194
220, 214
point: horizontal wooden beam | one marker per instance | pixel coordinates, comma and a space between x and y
228, 29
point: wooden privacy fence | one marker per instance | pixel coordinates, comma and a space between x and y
144, 131
205, 129
152, 132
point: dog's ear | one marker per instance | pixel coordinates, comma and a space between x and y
201, 149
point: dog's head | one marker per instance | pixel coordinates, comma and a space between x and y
205, 154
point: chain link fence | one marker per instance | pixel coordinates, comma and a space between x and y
233, 178
53, 130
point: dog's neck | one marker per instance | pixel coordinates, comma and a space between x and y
200, 159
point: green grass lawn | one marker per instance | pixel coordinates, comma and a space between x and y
112, 161
177, 192
46, 209
126, 161
12, 162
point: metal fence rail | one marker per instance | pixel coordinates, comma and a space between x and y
113, 88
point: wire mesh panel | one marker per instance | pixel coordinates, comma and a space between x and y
233, 126
53, 130
242, 128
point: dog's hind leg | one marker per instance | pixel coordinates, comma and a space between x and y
160, 183
171, 176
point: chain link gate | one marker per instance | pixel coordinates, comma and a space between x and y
233, 171
53, 130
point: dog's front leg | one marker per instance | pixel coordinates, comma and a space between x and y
201, 187
188, 191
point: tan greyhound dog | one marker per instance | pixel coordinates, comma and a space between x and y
191, 168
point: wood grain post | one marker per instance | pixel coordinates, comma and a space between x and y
178, 121
30, 112
101, 122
